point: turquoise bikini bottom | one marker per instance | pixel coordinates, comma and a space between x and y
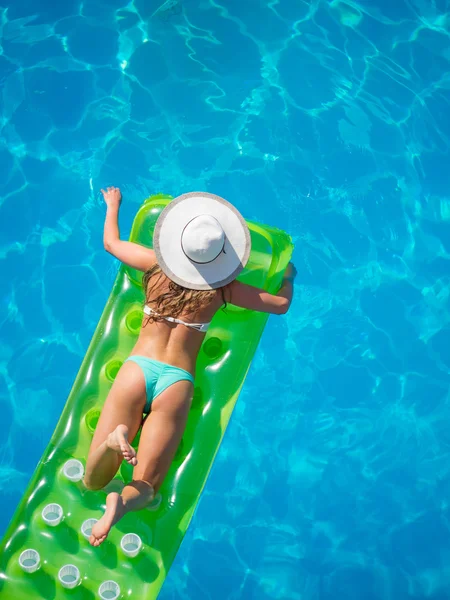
158, 376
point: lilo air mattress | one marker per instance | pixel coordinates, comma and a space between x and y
45, 552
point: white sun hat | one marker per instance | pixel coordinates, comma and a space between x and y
201, 241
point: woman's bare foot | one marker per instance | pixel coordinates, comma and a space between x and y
113, 513
118, 441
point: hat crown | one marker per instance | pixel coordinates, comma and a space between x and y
203, 239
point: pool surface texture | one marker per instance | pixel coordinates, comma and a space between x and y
328, 119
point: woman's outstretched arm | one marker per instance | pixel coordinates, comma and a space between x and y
134, 255
248, 296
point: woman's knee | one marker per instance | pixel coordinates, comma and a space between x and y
91, 484
144, 487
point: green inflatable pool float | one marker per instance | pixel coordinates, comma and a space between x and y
45, 554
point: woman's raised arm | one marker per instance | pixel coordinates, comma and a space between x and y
134, 255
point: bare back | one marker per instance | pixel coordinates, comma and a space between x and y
172, 343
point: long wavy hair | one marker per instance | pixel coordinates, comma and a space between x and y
176, 300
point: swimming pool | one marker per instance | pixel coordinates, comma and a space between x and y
327, 119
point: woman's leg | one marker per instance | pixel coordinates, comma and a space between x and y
119, 422
160, 438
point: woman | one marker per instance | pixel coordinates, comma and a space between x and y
201, 243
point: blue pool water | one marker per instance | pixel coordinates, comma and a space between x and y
329, 119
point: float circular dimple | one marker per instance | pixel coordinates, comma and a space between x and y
131, 544
73, 469
29, 560
112, 368
133, 321
155, 503
52, 514
86, 527
213, 347
109, 590
69, 576
91, 419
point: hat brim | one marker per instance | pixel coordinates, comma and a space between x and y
168, 235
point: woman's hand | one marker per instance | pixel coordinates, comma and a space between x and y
112, 197
291, 272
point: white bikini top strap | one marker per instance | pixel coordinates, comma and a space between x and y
198, 326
